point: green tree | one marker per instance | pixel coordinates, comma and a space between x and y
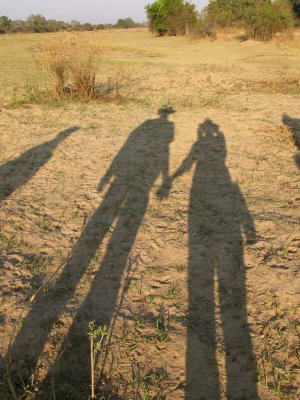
5, 24
37, 23
170, 17
229, 13
125, 23
17, 26
53, 25
87, 27
267, 17
262, 18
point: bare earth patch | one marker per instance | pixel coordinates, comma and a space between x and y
172, 220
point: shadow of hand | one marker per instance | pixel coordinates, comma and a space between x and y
251, 238
164, 190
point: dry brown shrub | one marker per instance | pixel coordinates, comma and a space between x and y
73, 71
73, 65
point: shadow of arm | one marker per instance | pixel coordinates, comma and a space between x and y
105, 179
248, 226
164, 190
187, 163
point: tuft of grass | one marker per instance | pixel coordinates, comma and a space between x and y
277, 361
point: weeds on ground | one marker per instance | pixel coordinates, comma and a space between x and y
278, 359
96, 336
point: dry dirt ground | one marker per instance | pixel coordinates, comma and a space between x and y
175, 229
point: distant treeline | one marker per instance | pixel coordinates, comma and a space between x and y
38, 23
260, 18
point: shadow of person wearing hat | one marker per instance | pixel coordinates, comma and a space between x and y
128, 182
218, 222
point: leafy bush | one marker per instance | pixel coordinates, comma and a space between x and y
203, 29
182, 20
36, 23
125, 23
261, 18
268, 18
226, 13
171, 17
5, 24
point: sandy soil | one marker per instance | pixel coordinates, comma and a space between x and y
171, 220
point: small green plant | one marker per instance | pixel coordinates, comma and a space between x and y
96, 336
8, 244
162, 325
173, 291
171, 17
277, 361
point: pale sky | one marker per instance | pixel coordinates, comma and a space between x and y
94, 11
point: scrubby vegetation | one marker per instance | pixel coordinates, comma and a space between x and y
269, 18
261, 19
38, 23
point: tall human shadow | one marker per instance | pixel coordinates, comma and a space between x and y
17, 172
141, 160
294, 125
218, 221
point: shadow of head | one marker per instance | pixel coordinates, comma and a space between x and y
208, 128
212, 138
165, 111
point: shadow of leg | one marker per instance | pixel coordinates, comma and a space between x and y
44, 315
240, 363
100, 303
202, 370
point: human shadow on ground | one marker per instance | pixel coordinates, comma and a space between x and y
17, 172
217, 314
130, 177
294, 125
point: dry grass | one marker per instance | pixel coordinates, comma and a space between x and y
49, 194
73, 64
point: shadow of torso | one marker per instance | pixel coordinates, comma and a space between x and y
218, 336
130, 178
